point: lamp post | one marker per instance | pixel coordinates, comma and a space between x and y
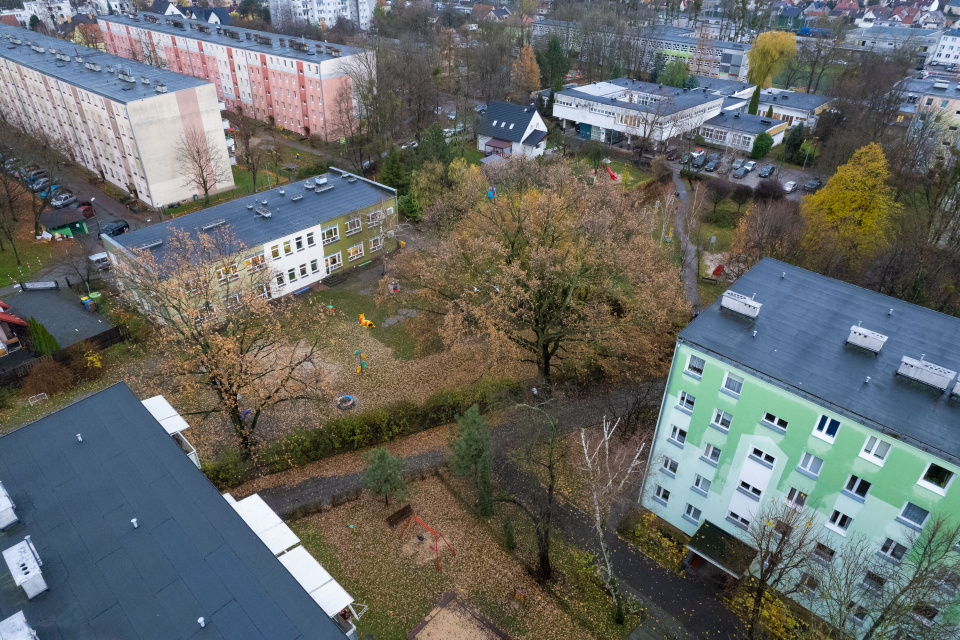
95, 218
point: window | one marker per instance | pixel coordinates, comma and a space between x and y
925, 613
227, 273
332, 262
913, 516
678, 435
292, 275
299, 242
839, 521
661, 495
809, 582
670, 466
721, 419
355, 252
280, 281
858, 613
310, 239
686, 401
263, 291
275, 252
330, 234
875, 450
233, 301
950, 582
936, 478
738, 520
692, 513
701, 485
255, 263
374, 217
771, 420
750, 490
893, 550
711, 454
824, 553
857, 488
303, 270
761, 456
287, 249
354, 226
810, 465
695, 366
827, 428
733, 385
314, 266
782, 529
796, 498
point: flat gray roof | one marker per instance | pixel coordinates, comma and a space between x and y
191, 555
666, 33
288, 216
801, 346
103, 82
795, 99
679, 99
744, 122
273, 49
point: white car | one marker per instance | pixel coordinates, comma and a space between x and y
790, 187
750, 166
409, 145
62, 199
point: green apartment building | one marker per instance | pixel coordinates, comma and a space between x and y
801, 389
299, 234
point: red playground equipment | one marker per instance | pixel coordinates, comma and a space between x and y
610, 171
436, 534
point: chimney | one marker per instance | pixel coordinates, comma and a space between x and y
7, 514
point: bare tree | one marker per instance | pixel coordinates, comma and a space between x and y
610, 467
251, 154
202, 165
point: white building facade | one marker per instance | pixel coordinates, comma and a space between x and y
324, 12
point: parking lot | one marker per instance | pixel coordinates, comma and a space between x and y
781, 172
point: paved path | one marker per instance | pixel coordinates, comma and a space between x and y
689, 273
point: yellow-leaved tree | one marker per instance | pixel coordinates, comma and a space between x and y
770, 51
851, 215
526, 73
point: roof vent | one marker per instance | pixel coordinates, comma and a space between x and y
263, 212
765, 121
250, 207
926, 372
144, 79
161, 88
282, 192
213, 225
297, 197
323, 189
7, 514
352, 179
741, 304
866, 338
321, 180
24, 564
150, 245
956, 390
16, 627
93, 66
736, 115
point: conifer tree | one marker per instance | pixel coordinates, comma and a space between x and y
383, 475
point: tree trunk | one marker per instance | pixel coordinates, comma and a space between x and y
545, 364
543, 549
755, 612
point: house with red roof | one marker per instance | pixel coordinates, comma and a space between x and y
12, 327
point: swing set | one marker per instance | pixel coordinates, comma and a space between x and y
436, 535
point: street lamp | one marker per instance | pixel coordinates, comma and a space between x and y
95, 218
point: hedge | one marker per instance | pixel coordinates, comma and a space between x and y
354, 431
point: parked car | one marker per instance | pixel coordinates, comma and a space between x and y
409, 145
10, 163
750, 165
62, 199
699, 162
790, 187
767, 171
452, 115
114, 229
714, 156
737, 163
40, 185
711, 166
100, 261
480, 108
739, 173
438, 110
672, 154
697, 153
812, 185
685, 159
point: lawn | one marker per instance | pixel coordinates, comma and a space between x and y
244, 187
34, 255
472, 155
631, 175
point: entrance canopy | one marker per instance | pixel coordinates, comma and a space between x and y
498, 144
721, 549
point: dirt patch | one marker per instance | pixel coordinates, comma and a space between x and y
454, 621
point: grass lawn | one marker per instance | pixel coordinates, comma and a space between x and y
631, 175
244, 187
724, 236
472, 155
34, 256
710, 291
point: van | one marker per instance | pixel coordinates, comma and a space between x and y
100, 261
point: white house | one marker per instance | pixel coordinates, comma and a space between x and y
511, 129
740, 130
792, 106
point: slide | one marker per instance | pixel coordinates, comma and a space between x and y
607, 167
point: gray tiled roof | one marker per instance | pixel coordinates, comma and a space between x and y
801, 346
511, 121
794, 99
101, 82
273, 49
191, 555
743, 122
252, 230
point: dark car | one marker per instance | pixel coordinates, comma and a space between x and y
812, 185
699, 162
672, 154
714, 156
685, 159
114, 229
767, 171
739, 173
711, 166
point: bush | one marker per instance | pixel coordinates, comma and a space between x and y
229, 470
47, 376
313, 170
86, 362
769, 189
761, 146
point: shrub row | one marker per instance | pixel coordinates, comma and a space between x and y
357, 430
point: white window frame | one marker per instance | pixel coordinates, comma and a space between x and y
683, 398
667, 463
661, 495
749, 490
820, 429
263, 291
314, 265
870, 447
311, 240
292, 274
376, 243
839, 522
324, 239
738, 520
718, 419
796, 499
298, 243
334, 257
688, 369
275, 252
374, 217
806, 461
349, 223
303, 270
287, 248
692, 513
353, 255
708, 453
926, 484
911, 523
701, 485
890, 548
805, 582
234, 300
255, 263
677, 436
762, 458
858, 483
729, 377
818, 555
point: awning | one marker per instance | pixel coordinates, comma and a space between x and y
317, 581
12, 319
498, 144
266, 524
166, 415
721, 549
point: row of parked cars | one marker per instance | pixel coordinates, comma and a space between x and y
36, 179
698, 159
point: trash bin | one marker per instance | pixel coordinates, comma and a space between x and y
95, 296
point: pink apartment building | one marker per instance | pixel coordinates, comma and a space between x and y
287, 82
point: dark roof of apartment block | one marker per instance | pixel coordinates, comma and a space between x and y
798, 340
190, 555
40, 53
292, 207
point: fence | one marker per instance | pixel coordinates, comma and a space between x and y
14, 377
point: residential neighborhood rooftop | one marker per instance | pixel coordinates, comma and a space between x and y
248, 39
134, 541
794, 99
798, 341
663, 33
506, 121
340, 194
59, 59
614, 93
742, 122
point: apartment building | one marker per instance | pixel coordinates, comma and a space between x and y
635, 47
288, 82
51, 13
118, 118
798, 389
324, 12
922, 42
624, 108
301, 233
